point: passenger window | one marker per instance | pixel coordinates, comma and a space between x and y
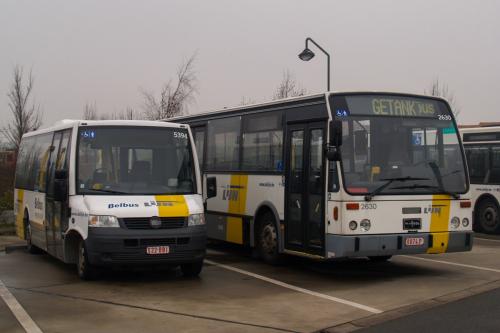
478, 161
223, 144
263, 143
199, 141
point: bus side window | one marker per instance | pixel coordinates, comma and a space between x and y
199, 141
494, 175
478, 161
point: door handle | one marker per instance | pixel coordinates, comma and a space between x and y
298, 204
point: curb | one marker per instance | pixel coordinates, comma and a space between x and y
389, 315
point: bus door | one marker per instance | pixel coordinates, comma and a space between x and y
304, 188
56, 211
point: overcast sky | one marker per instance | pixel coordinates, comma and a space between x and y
105, 52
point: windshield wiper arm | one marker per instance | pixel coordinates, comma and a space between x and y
106, 191
379, 189
439, 178
441, 190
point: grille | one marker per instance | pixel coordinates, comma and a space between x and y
155, 242
143, 222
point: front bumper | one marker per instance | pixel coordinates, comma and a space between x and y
118, 246
340, 246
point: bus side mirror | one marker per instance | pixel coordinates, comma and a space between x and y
60, 185
333, 154
211, 187
336, 133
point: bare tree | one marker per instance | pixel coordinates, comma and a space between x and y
174, 96
127, 114
90, 111
27, 117
288, 87
440, 89
247, 100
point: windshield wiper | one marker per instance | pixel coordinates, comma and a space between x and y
106, 191
415, 186
379, 189
439, 178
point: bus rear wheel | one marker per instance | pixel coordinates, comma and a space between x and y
85, 270
488, 217
267, 242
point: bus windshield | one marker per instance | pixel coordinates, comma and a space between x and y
134, 160
399, 145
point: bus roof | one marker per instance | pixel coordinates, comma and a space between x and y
70, 123
305, 98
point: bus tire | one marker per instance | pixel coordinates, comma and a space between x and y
28, 235
267, 241
85, 269
488, 217
192, 269
379, 258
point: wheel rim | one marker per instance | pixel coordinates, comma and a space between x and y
489, 218
268, 239
28, 234
81, 260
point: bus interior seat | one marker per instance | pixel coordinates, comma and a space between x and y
140, 172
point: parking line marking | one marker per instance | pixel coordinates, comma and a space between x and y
22, 316
295, 288
487, 239
454, 264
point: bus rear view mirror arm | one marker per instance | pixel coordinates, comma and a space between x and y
211, 187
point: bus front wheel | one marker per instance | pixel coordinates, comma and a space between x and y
379, 258
28, 235
85, 270
192, 269
488, 217
267, 242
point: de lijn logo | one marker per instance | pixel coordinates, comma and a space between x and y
122, 205
231, 192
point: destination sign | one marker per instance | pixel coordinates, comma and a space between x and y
389, 105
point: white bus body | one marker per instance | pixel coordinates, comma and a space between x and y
336, 175
482, 147
100, 193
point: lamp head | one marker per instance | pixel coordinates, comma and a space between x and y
306, 55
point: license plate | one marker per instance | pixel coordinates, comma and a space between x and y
412, 224
157, 250
414, 241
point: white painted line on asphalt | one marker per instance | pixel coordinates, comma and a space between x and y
454, 264
295, 288
487, 239
22, 316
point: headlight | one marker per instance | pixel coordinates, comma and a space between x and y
196, 219
465, 222
365, 225
455, 222
353, 225
108, 221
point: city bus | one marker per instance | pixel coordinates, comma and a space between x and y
111, 193
335, 175
482, 148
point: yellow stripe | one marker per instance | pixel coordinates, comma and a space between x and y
439, 223
236, 205
171, 205
20, 214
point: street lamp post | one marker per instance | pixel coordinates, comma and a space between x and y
307, 55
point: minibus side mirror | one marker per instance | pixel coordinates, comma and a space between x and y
336, 133
333, 154
60, 185
211, 187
